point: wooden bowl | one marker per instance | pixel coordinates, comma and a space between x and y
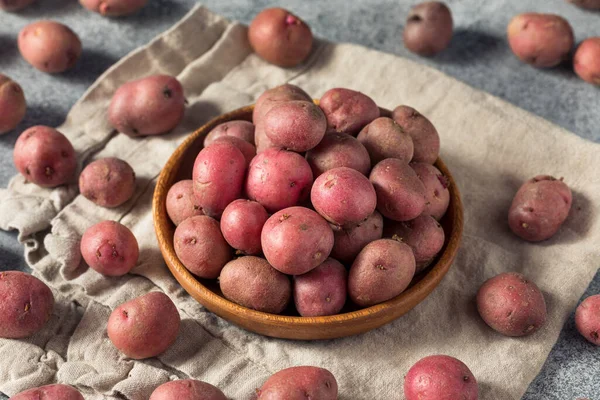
350, 321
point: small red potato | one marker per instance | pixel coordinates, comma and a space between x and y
589, 4
539, 208
587, 319
242, 223
295, 125
280, 37
240, 129
247, 149
384, 138
347, 111
511, 305
181, 202
542, 40
149, 106
425, 137
253, 283
338, 150
187, 389
200, 246
348, 242
110, 248
428, 28
321, 291
114, 8
587, 60
145, 326
108, 182
12, 104
26, 306
278, 179
437, 195
49, 392
14, 5
440, 377
274, 96
296, 240
44, 156
381, 271
300, 383
400, 192
49, 46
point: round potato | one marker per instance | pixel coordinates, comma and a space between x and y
240, 129
14, 5
187, 389
306, 131
348, 111
587, 319
181, 202
338, 150
114, 8
12, 104
49, 392
437, 195
300, 383
26, 306
274, 96
242, 223
384, 138
321, 291
587, 60
108, 182
426, 140
110, 248
428, 28
349, 242
247, 149
589, 4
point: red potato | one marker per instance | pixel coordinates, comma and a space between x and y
321, 291
274, 96
278, 179
49, 392
437, 195
426, 140
539, 208
587, 319
242, 223
280, 37
108, 182
149, 106
49, 46
45, 157
428, 28
296, 240
295, 125
14, 5
380, 272
12, 104
114, 8
384, 138
542, 40
253, 283
240, 129
219, 172
400, 192
347, 111
587, 60
247, 149
440, 377
187, 389
26, 306
262, 141
181, 202
511, 305
338, 150
350, 241
200, 246
300, 383
589, 4
110, 248
145, 326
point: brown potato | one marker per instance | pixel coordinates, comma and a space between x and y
384, 138
114, 8
587, 60
350, 241
428, 28
321, 291
437, 195
347, 111
300, 383
49, 392
181, 202
108, 182
240, 129
426, 140
338, 150
12, 104
187, 389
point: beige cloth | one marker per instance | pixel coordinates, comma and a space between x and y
489, 145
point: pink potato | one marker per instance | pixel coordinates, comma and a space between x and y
274, 96
27, 304
296, 240
218, 176
539, 208
240, 129
586, 61
428, 28
437, 195
348, 242
347, 111
181, 202
12, 104
425, 137
511, 305
49, 46
200, 246
247, 149
14, 5
380, 272
338, 150
300, 383
242, 223
587, 319
187, 389
589, 4
384, 138
108, 182
440, 377
278, 179
251, 282
45, 157
400, 192
321, 291
145, 326
542, 40
49, 392
110, 248
114, 8
148, 106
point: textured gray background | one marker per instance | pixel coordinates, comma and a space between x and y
478, 55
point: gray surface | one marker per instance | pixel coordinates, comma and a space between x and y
478, 55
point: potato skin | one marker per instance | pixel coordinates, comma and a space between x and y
239, 128
247, 149
440, 377
437, 195
306, 131
110, 248
181, 202
114, 8
321, 291
242, 223
511, 305
49, 392
296, 240
589, 4
12, 104
428, 28
200, 246
253, 283
542, 40
338, 150
587, 319
350, 241
280, 37
26, 306
49, 46
153, 105
380, 272
384, 138
300, 383
347, 111
187, 389
586, 61
145, 326
14, 5
274, 96
108, 182
45, 157
426, 140
539, 208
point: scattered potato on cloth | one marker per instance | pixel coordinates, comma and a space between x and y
589, 4
300, 383
274, 96
241, 225
12, 104
114, 8
426, 140
428, 28
108, 182
348, 242
338, 150
384, 138
587, 60
187, 389
587, 319
14, 5
348, 111
181, 202
321, 291
49, 392
437, 195
240, 129
110, 248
